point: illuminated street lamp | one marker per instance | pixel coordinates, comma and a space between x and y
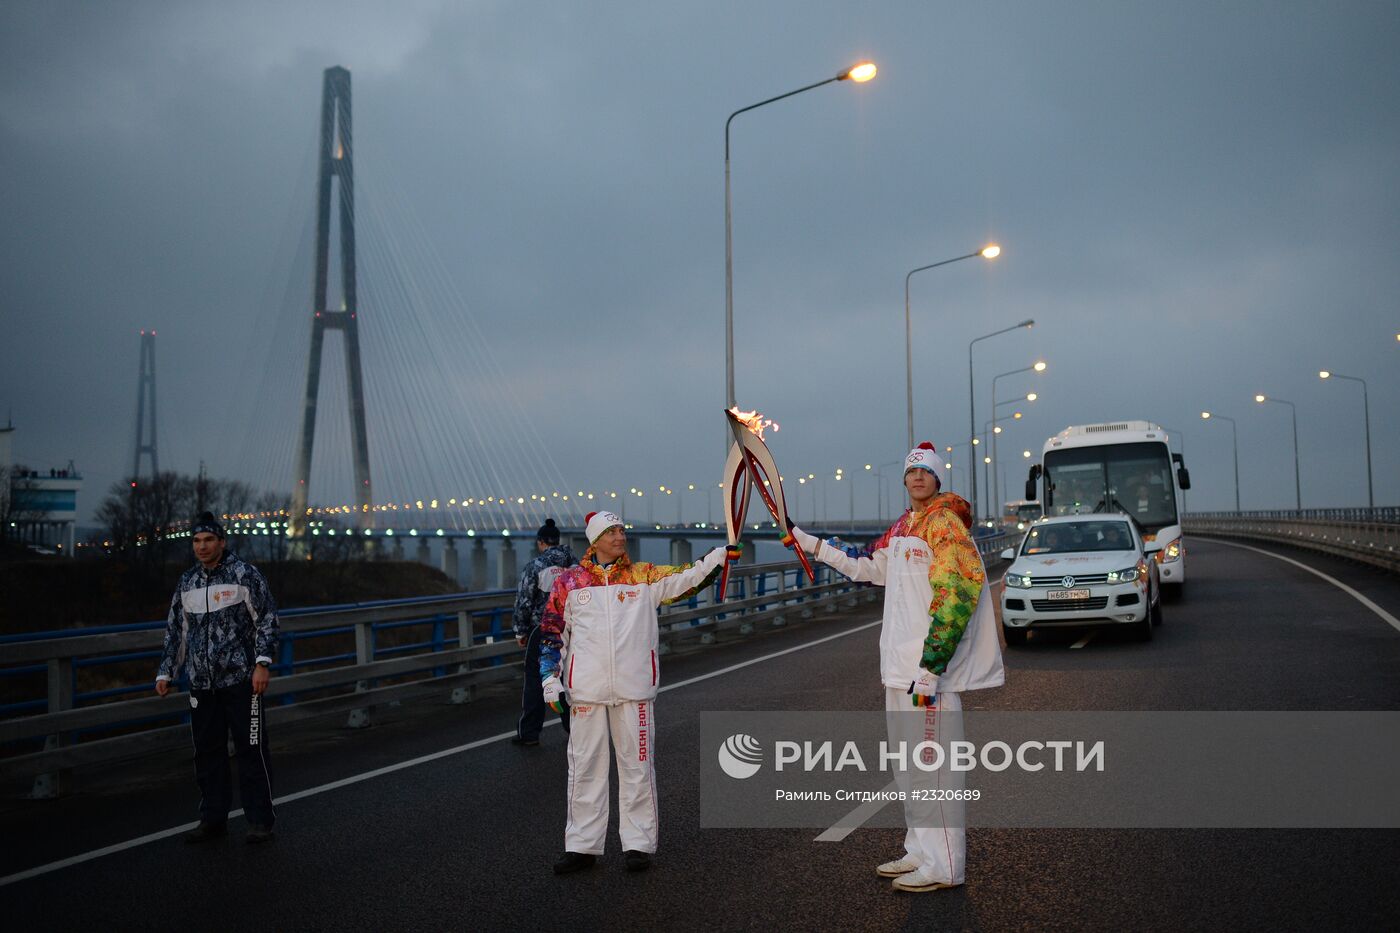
1297, 483
1235, 441
990, 251
1037, 367
860, 73
972, 402
1366, 411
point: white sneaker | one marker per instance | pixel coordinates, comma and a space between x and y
919, 881
900, 866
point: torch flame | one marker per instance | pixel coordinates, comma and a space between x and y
754, 421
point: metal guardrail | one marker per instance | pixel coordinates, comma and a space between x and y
451, 668
455, 663
1371, 536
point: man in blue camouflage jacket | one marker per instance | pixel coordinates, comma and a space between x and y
535, 582
222, 632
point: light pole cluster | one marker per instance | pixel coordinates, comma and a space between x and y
1261, 399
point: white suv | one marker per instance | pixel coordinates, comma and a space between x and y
1080, 570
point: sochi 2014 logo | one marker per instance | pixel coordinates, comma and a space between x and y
740, 756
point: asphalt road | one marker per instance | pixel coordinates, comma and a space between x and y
466, 840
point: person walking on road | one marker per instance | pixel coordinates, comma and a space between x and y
536, 580
222, 632
938, 638
599, 640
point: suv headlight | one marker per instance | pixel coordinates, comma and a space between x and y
1173, 551
1123, 576
1020, 581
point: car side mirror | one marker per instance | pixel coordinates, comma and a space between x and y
1151, 547
1009, 554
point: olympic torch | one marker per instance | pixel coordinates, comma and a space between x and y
750, 467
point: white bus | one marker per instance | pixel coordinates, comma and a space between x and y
1125, 467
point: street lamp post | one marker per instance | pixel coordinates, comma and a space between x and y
882, 496
1297, 482
972, 404
990, 251
1366, 411
1037, 367
1235, 443
859, 73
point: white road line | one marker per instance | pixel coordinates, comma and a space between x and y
856, 818
388, 769
1363, 600
1085, 640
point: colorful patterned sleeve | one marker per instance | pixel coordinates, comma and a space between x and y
524, 596
170, 650
552, 626
957, 576
264, 611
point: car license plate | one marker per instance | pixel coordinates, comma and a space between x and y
1068, 594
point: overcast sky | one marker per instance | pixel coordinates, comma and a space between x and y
1197, 202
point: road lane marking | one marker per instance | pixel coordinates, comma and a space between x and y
1085, 640
856, 818
1363, 600
388, 769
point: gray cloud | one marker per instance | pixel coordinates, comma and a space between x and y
1197, 202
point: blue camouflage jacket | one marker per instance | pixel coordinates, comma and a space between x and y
221, 623
536, 580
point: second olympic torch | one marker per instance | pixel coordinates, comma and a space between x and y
750, 467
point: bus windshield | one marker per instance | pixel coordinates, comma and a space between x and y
1132, 478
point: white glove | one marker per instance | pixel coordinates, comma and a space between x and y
554, 692
809, 543
924, 689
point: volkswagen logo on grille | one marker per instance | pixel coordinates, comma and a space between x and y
1067, 582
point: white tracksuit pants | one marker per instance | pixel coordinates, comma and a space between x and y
930, 839
632, 726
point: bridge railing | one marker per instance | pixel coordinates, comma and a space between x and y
1371, 536
451, 646
454, 644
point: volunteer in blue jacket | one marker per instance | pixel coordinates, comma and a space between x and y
536, 580
222, 632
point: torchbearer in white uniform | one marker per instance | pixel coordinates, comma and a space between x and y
599, 646
938, 638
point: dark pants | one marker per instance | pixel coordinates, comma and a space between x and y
532, 705
214, 716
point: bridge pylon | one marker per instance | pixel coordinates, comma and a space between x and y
146, 408
336, 175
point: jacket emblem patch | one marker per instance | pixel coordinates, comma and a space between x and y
585, 597
624, 595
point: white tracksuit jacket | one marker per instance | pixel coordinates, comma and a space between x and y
938, 611
599, 629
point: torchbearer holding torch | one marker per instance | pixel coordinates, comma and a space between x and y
938, 638
599, 643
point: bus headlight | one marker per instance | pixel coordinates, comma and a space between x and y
1123, 576
1020, 581
1173, 551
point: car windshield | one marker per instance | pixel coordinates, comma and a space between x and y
1062, 538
